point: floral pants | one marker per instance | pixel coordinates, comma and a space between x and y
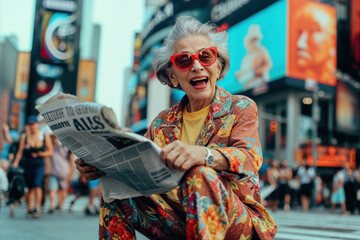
204, 207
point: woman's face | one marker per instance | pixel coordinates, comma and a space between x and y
198, 82
33, 127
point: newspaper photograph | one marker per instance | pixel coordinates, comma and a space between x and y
90, 130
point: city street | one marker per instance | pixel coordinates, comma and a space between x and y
316, 225
57, 226
64, 225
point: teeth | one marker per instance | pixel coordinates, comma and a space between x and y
199, 79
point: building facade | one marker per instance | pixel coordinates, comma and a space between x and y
303, 77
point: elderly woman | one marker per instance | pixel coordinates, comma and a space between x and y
210, 135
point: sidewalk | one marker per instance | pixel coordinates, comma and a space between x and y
57, 226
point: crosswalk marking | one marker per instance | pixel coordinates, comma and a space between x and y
295, 225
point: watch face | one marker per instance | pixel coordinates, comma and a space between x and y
210, 160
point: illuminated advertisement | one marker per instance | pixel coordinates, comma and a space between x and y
22, 75
347, 109
257, 54
55, 51
58, 34
137, 108
311, 49
86, 80
328, 156
355, 29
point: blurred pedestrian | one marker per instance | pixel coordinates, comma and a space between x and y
94, 193
81, 189
273, 179
4, 183
350, 189
34, 146
326, 194
285, 175
318, 190
306, 177
337, 191
11, 137
61, 174
357, 177
17, 188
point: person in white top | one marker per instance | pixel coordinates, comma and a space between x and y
306, 175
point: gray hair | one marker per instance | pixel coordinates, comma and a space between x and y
184, 26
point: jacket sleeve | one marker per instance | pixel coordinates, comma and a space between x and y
243, 150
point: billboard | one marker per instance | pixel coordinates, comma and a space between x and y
355, 31
226, 13
55, 50
137, 108
22, 75
311, 49
58, 36
347, 109
257, 54
328, 156
86, 80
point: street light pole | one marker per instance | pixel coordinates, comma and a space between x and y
316, 119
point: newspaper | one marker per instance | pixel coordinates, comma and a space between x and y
90, 130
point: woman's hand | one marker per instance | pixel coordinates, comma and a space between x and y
89, 172
178, 155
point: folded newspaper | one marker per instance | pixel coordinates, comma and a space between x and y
90, 130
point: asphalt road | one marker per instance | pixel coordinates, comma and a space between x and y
293, 225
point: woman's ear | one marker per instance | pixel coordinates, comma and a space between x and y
173, 80
219, 68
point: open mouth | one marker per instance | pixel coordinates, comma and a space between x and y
199, 81
304, 54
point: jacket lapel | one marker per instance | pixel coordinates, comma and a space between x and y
219, 107
171, 127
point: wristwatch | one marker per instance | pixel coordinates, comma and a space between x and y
209, 160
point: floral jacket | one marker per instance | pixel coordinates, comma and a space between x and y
231, 127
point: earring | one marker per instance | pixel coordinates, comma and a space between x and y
175, 85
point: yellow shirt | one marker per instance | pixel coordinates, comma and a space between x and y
192, 125
190, 129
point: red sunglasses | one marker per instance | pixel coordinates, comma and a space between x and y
185, 61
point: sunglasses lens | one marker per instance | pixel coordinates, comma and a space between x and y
183, 61
207, 56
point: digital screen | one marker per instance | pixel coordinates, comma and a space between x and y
257, 50
58, 33
311, 49
347, 109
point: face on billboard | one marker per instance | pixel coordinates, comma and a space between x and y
312, 41
256, 48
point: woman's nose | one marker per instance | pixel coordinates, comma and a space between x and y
197, 65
